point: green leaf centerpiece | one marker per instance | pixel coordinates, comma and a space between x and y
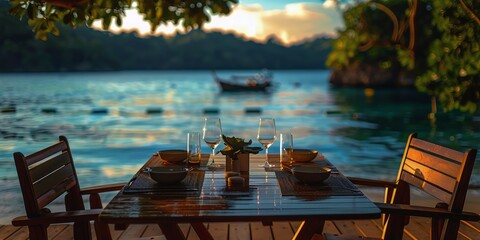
235, 146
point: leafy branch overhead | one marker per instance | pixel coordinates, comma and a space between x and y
434, 44
235, 146
43, 15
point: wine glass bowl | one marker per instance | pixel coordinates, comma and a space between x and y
212, 135
267, 134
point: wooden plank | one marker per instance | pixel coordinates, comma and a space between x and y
21, 233
368, 228
55, 229
45, 153
419, 228
239, 231
427, 187
133, 231
218, 230
7, 230
430, 175
347, 227
260, 232
67, 233
192, 234
114, 233
440, 150
43, 169
187, 230
330, 227
441, 164
469, 231
58, 180
152, 230
282, 230
295, 225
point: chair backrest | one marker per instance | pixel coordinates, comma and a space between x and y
47, 174
439, 171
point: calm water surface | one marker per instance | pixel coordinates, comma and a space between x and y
364, 136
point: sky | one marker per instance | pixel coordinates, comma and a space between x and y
291, 21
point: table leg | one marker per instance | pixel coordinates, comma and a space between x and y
171, 231
308, 228
201, 231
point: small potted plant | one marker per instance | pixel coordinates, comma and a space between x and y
237, 151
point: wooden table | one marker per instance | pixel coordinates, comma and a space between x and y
262, 201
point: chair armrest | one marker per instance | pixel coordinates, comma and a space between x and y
58, 217
420, 211
372, 183
102, 188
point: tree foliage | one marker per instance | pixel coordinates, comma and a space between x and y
44, 15
437, 42
85, 49
453, 72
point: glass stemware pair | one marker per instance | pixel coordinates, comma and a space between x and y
212, 135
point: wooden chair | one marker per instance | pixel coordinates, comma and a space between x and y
441, 172
46, 175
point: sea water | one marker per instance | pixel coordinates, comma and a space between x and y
116, 120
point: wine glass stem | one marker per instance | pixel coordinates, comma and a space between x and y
213, 155
266, 157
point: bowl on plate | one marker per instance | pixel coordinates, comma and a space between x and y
311, 174
302, 155
173, 156
167, 174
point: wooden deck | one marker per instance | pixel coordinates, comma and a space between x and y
417, 229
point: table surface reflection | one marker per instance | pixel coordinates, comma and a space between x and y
261, 201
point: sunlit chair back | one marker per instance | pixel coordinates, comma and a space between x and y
439, 171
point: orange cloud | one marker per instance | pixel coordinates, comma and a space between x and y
293, 23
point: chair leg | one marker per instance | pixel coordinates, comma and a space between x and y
81, 230
201, 231
309, 228
38, 232
393, 228
438, 223
451, 231
102, 231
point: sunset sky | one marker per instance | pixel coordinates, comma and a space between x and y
289, 20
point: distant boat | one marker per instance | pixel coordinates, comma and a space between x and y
255, 83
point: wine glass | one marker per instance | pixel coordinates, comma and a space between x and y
212, 135
266, 136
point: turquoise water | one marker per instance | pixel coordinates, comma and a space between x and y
364, 136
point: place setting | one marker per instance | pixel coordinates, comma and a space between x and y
172, 172
305, 172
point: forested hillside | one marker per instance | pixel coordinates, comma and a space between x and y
85, 49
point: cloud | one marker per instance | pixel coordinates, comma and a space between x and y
301, 20
294, 23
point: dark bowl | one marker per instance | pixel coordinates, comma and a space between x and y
173, 156
311, 174
168, 174
302, 155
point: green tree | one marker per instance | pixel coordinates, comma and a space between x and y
43, 15
437, 42
453, 73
